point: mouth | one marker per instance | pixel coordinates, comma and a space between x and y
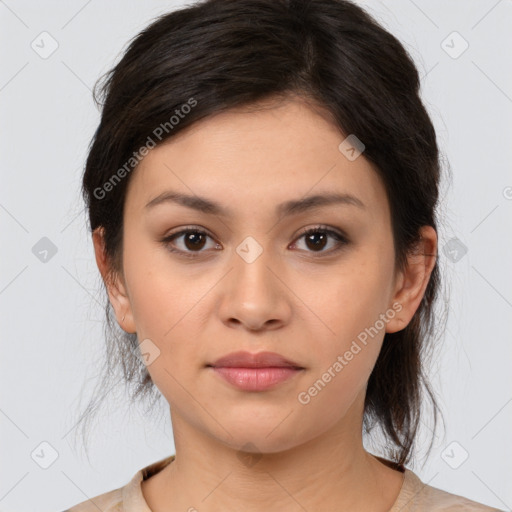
255, 372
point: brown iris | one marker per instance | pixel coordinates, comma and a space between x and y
317, 240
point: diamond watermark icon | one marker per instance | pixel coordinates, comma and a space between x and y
351, 147
247, 458
44, 455
454, 45
454, 249
44, 45
148, 351
249, 250
44, 250
454, 455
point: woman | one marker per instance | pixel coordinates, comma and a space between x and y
262, 191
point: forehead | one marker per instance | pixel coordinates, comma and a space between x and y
249, 156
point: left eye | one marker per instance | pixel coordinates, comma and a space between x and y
194, 240
316, 238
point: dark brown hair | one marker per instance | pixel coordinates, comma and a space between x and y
220, 54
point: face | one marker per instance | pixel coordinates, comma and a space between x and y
251, 280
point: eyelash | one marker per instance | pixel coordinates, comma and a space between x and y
339, 237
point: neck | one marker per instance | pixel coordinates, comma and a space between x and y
331, 471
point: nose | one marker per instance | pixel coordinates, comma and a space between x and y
255, 295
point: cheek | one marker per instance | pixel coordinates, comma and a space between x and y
171, 305
160, 295
349, 303
344, 354
348, 297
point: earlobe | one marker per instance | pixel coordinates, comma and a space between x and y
413, 281
114, 284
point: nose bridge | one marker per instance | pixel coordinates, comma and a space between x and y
252, 260
255, 295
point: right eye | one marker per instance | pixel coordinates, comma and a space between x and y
193, 241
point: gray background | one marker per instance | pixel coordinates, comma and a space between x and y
52, 312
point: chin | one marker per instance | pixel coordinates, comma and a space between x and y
261, 438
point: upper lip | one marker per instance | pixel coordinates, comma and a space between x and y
244, 359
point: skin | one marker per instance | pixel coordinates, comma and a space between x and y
306, 304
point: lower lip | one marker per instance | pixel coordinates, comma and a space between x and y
256, 379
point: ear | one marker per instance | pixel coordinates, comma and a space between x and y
114, 283
411, 283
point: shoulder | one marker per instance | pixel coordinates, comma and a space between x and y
126, 498
111, 501
416, 495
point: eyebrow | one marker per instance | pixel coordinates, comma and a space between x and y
287, 208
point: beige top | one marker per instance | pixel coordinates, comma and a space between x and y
414, 496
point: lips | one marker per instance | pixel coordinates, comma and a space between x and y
255, 372
244, 359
